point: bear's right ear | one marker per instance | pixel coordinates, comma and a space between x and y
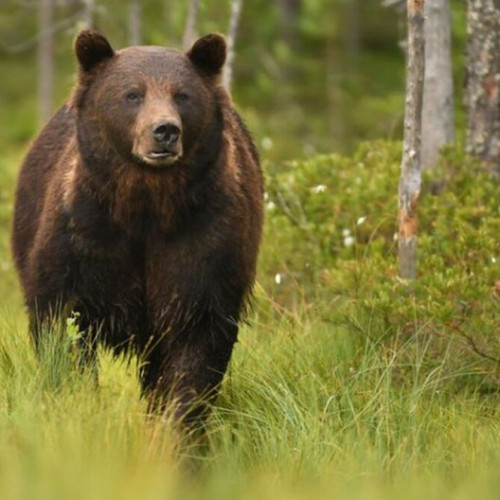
92, 48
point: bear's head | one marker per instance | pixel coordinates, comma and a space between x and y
150, 105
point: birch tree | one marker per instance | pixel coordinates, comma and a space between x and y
483, 81
410, 181
234, 21
88, 13
351, 33
190, 29
45, 60
438, 116
135, 22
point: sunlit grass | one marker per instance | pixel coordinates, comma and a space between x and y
307, 411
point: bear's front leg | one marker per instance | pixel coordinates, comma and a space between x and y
184, 366
196, 285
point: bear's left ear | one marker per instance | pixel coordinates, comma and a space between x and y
209, 53
92, 48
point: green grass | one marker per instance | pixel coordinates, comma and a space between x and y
342, 386
307, 411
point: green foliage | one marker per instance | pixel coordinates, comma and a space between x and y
331, 207
332, 223
9, 288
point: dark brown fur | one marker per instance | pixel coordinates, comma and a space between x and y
155, 255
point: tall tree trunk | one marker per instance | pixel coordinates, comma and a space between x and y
45, 60
190, 29
410, 182
289, 15
135, 22
234, 21
335, 102
438, 117
351, 34
483, 81
88, 13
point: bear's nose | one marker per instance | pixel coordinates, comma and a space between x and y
166, 133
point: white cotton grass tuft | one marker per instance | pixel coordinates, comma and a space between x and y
349, 241
320, 188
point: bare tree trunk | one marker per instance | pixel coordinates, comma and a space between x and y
234, 21
351, 33
45, 60
289, 13
135, 22
410, 182
483, 81
190, 30
438, 116
88, 13
336, 107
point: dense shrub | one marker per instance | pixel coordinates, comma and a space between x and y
331, 244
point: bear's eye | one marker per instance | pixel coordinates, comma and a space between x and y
181, 97
133, 96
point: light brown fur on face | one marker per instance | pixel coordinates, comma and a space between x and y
156, 109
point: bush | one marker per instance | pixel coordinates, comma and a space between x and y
332, 244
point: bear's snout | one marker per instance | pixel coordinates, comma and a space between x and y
166, 133
160, 142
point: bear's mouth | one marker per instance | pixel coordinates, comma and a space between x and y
160, 158
160, 155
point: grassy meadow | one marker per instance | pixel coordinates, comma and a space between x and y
345, 384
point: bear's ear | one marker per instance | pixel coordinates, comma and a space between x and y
92, 48
209, 53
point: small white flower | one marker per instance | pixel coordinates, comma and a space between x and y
320, 188
395, 237
346, 233
349, 241
277, 278
267, 143
360, 221
493, 260
270, 205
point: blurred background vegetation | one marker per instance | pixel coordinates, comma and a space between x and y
317, 79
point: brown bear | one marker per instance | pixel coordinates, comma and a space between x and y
139, 209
